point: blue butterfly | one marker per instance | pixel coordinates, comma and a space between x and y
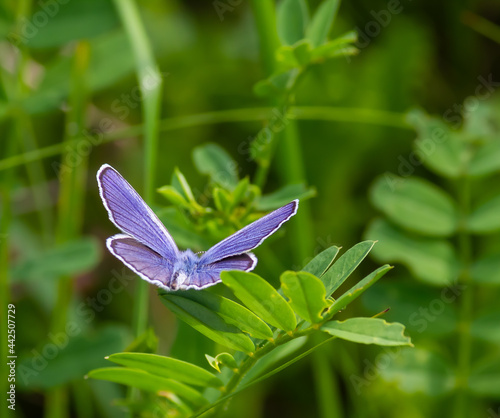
147, 248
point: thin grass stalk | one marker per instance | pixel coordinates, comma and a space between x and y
70, 211
150, 86
326, 113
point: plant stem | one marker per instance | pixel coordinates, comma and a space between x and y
5, 219
265, 21
333, 114
150, 86
70, 209
462, 405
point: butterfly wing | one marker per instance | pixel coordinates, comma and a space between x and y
248, 238
132, 215
142, 260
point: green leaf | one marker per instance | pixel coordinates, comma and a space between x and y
432, 260
306, 293
240, 192
224, 359
208, 323
292, 18
261, 298
487, 270
357, 290
302, 52
436, 146
284, 195
486, 218
214, 161
341, 46
322, 262
345, 265
111, 59
232, 312
485, 327
486, 160
416, 205
322, 21
67, 259
68, 21
174, 196
416, 370
148, 382
73, 353
368, 331
484, 379
167, 367
180, 184
222, 200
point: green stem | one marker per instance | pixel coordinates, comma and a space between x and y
70, 211
462, 406
150, 85
482, 26
265, 21
5, 219
332, 114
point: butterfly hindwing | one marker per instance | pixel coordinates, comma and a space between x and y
128, 211
141, 259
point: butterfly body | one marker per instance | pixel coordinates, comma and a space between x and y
147, 248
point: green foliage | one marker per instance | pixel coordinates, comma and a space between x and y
431, 230
266, 331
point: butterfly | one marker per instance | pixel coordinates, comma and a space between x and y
147, 248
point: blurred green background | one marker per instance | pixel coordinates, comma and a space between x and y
69, 97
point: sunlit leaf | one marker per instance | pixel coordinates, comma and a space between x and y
345, 265
224, 359
261, 298
357, 290
167, 367
431, 260
322, 21
306, 293
368, 331
148, 382
416, 205
340, 46
231, 312
485, 219
208, 323
180, 184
